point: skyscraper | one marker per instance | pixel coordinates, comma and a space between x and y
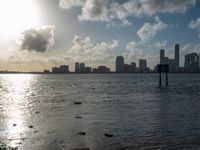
119, 64
162, 56
77, 67
142, 65
192, 62
176, 57
82, 67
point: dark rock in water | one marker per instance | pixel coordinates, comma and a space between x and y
14, 125
19, 143
78, 117
81, 133
77, 103
31, 126
6, 147
37, 112
80, 149
108, 135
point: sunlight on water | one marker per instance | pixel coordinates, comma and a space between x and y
38, 112
17, 88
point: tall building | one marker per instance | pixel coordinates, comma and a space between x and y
133, 65
162, 56
192, 62
119, 64
82, 67
77, 67
176, 57
142, 65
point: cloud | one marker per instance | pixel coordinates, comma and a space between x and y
86, 50
118, 12
133, 52
38, 39
110, 11
160, 44
148, 30
195, 25
167, 6
67, 4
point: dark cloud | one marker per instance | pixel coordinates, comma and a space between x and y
38, 39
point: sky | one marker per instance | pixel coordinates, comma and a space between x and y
39, 34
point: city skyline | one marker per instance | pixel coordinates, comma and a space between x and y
191, 65
36, 35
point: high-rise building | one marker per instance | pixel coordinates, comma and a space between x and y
176, 57
162, 56
192, 62
82, 67
142, 65
133, 66
119, 64
77, 67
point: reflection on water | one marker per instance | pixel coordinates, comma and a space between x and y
38, 112
14, 92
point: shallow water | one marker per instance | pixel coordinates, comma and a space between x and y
37, 112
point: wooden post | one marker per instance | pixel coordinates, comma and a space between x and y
166, 78
165, 69
160, 80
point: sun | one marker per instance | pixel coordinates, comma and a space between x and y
17, 15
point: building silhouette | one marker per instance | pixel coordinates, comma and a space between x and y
176, 57
162, 56
82, 67
130, 68
77, 67
173, 63
61, 69
119, 64
88, 70
101, 69
191, 63
133, 64
142, 65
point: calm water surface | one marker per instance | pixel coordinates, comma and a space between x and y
37, 112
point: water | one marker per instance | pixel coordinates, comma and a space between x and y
129, 106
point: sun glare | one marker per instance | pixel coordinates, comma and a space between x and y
17, 15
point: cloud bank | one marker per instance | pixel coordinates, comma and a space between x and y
111, 10
86, 50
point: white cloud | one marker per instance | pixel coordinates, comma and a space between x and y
67, 4
114, 12
84, 49
166, 6
160, 44
195, 25
133, 52
148, 30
